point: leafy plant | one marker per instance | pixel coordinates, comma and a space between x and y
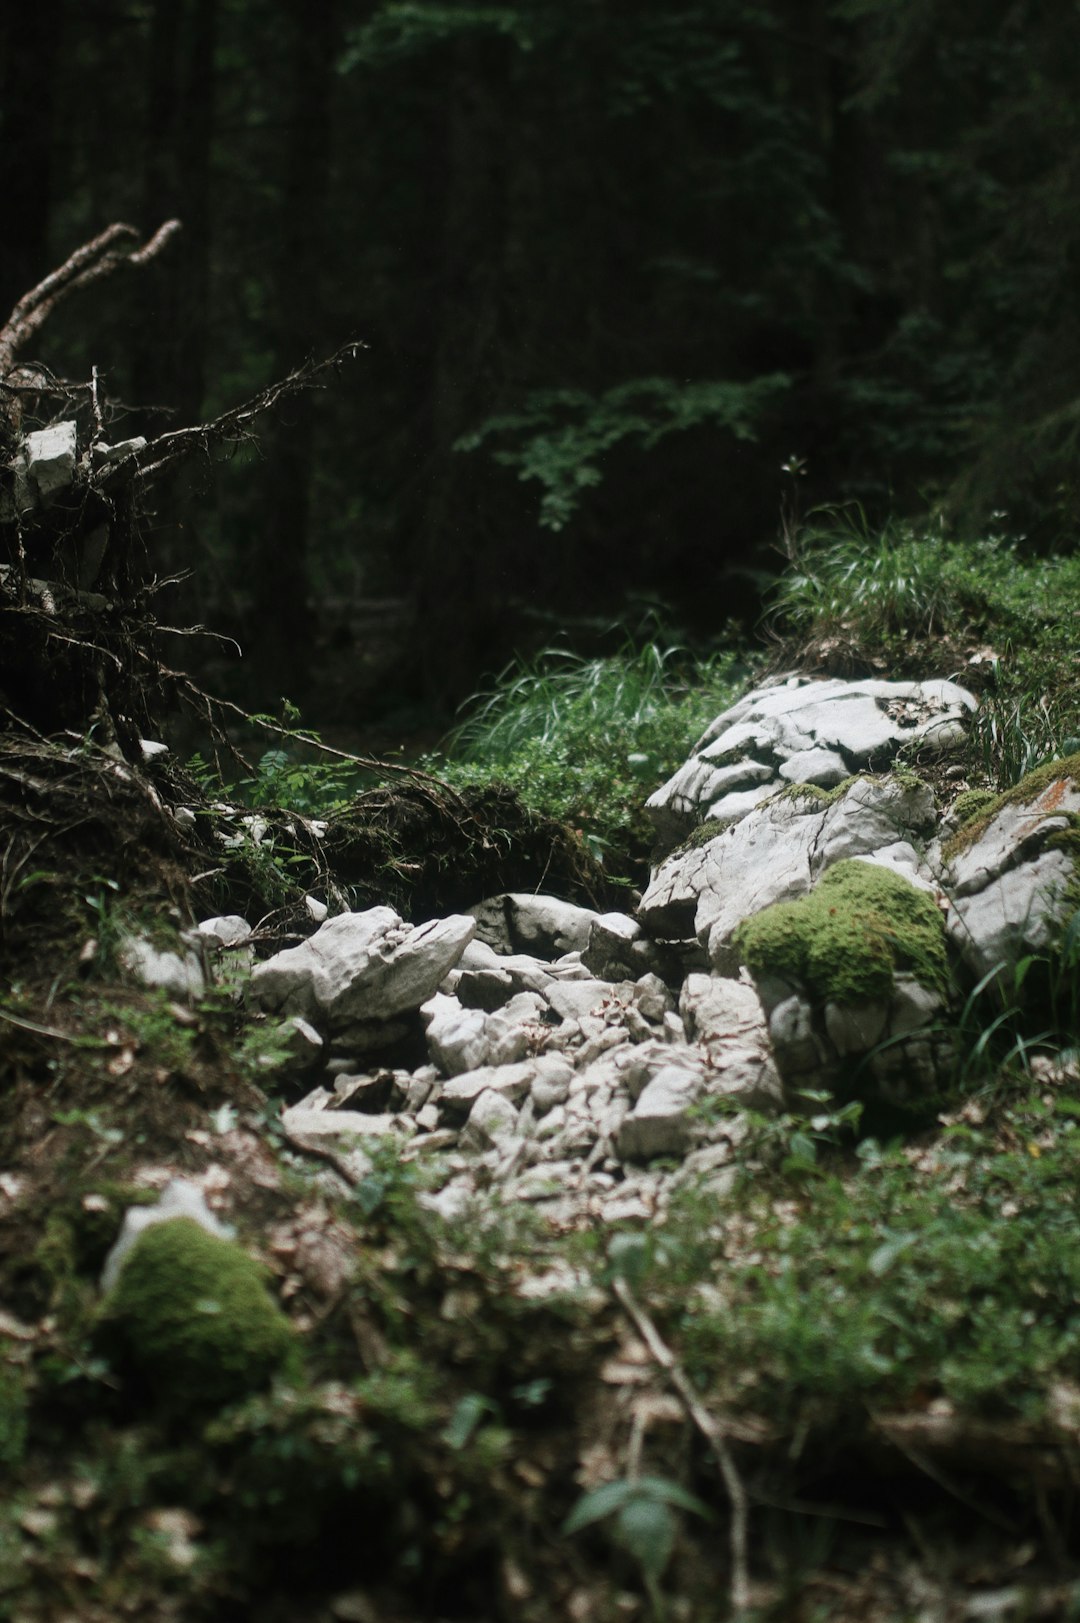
560, 436
643, 1522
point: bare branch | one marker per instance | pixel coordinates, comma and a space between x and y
713, 1433
94, 259
231, 428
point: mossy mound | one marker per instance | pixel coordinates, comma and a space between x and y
191, 1315
847, 938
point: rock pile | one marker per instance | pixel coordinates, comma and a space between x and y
815, 930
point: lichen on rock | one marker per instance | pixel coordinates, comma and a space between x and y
191, 1314
849, 936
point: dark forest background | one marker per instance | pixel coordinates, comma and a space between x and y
616, 263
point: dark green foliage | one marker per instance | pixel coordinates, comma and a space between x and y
748, 230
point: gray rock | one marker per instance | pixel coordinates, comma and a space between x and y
698, 785
804, 731
575, 1000
1010, 888
660, 1123
304, 1045
456, 1037
343, 1125
492, 1121
229, 929
799, 1051
913, 1007
727, 1023
729, 808
823, 767
50, 459
540, 925
855, 1028
516, 1029
512, 1081
638, 1065
179, 974
486, 989
1018, 912
362, 966
775, 854
620, 950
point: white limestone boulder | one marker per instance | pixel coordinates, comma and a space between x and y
775, 854
1013, 877
802, 730
50, 459
361, 967
542, 926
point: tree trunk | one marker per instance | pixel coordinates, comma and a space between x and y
278, 637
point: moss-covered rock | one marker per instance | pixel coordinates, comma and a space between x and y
848, 937
1053, 776
191, 1314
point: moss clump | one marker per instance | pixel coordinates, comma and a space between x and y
1068, 768
969, 805
191, 1314
848, 937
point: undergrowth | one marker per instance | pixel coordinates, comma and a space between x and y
915, 600
585, 741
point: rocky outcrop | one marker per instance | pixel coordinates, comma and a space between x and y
795, 729
1012, 873
587, 1062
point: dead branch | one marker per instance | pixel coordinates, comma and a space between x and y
100, 257
713, 1434
233, 427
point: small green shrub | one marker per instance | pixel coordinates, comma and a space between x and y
951, 1270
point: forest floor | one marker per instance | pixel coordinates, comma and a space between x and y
846, 1388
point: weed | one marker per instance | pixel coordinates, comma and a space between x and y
641, 1511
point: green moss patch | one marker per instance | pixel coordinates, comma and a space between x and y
970, 805
1029, 788
192, 1315
848, 937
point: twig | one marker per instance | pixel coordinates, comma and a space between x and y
79, 1041
232, 427
714, 1436
320, 1152
368, 763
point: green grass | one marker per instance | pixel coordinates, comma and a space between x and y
915, 600
587, 740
